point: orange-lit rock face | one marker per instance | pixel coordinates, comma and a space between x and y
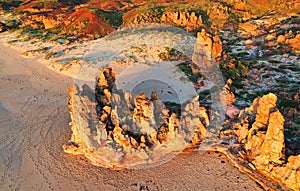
264, 138
295, 43
182, 19
248, 29
213, 44
260, 132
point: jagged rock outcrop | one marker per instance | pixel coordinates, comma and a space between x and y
260, 131
189, 20
289, 173
228, 99
196, 120
184, 19
212, 43
113, 132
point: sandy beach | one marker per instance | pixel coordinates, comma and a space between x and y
34, 125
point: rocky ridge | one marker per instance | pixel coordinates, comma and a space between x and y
183, 19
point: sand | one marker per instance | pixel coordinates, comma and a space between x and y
34, 125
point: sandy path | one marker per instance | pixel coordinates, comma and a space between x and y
34, 125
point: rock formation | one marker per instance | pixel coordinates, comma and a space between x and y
259, 130
212, 43
183, 19
228, 99
189, 20
113, 132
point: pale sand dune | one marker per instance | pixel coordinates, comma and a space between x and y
34, 126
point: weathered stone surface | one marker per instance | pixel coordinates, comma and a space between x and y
281, 38
178, 18
248, 29
187, 19
272, 147
213, 44
227, 100
263, 109
260, 131
113, 132
288, 174
195, 119
295, 43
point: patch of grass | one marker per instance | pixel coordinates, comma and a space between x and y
266, 75
49, 55
112, 18
185, 67
238, 84
12, 24
274, 61
238, 72
204, 94
47, 3
293, 68
291, 132
136, 49
242, 54
282, 67
284, 81
286, 103
251, 97
167, 54
7, 5
293, 89
172, 104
